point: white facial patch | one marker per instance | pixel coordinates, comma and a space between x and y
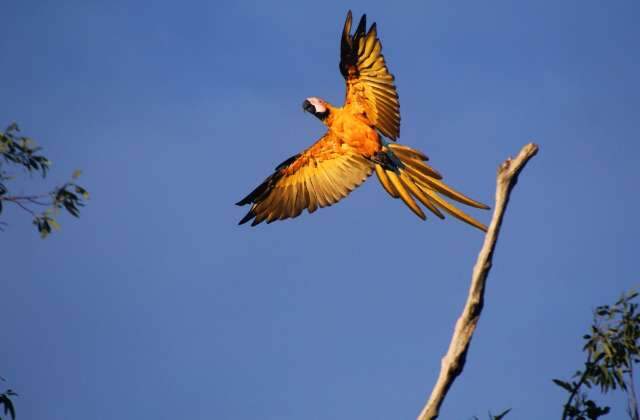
317, 104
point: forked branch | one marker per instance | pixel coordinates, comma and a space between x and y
453, 362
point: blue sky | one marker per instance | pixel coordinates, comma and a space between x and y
155, 305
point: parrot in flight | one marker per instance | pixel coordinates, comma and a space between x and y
360, 139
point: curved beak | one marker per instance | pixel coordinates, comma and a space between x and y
308, 107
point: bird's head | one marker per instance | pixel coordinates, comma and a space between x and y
317, 107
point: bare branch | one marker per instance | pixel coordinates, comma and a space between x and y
19, 200
30, 198
453, 362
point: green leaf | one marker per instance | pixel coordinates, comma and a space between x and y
83, 192
8, 406
76, 174
563, 384
54, 224
501, 415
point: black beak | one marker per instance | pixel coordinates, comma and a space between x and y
307, 106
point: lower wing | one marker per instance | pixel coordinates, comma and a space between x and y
318, 177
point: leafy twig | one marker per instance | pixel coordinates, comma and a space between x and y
612, 349
21, 151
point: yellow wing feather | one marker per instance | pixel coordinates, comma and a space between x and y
370, 86
319, 177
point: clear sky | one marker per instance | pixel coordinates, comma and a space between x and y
156, 305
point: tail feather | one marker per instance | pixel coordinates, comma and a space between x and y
419, 194
404, 195
384, 181
421, 168
413, 178
442, 188
406, 150
456, 212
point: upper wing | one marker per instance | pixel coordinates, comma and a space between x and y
320, 176
369, 83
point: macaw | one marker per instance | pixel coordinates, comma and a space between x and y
355, 146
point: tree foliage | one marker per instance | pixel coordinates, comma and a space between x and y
22, 153
611, 348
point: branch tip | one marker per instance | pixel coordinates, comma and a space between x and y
454, 360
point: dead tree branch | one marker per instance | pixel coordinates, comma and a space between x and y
453, 362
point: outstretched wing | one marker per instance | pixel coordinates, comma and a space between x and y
318, 177
369, 84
